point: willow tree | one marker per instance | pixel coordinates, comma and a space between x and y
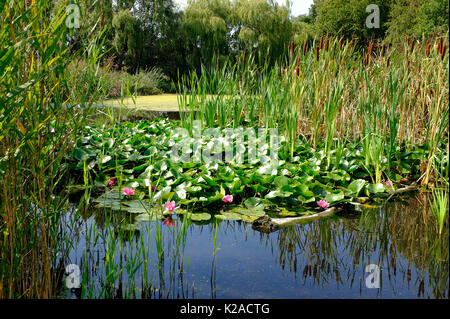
262, 26
207, 27
126, 36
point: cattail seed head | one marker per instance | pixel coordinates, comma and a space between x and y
388, 61
383, 50
443, 52
102, 20
304, 48
439, 48
427, 48
321, 42
317, 53
370, 48
326, 44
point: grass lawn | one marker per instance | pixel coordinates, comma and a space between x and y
159, 103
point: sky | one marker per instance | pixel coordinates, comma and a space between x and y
298, 6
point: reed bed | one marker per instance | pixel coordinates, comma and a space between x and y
40, 117
382, 98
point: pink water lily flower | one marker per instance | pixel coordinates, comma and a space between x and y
169, 206
388, 183
112, 182
323, 204
404, 180
168, 222
228, 198
128, 191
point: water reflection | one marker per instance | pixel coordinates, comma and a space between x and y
326, 258
401, 238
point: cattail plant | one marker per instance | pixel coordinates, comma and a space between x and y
439, 46
412, 47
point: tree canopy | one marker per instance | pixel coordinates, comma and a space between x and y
142, 34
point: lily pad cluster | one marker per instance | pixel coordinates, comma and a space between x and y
137, 156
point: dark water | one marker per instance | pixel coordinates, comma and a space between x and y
323, 259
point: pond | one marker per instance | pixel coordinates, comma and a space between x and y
326, 258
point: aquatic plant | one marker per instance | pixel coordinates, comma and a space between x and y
322, 204
228, 198
439, 206
169, 206
128, 191
40, 117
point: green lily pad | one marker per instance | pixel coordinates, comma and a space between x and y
357, 185
254, 203
228, 216
199, 216
376, 188
248, 212
334, 196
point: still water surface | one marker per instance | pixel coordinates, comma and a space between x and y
323, 259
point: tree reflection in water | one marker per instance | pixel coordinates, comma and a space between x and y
338, 249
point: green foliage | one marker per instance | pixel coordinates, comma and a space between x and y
263, 25
348, 18
126, 38
139, 155
40, 117
418, 18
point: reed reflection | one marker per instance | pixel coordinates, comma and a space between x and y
401, 238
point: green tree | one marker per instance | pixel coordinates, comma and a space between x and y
263, 25
417, 18
126, 36
347, 18
207, 26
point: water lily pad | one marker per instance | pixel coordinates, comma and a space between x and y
376, 188
248, 212
357, 185
137, 206
146, 218
334, 196
199, 216
278, 193
228, 216
254, 203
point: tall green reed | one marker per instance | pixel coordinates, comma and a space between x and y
39, 120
